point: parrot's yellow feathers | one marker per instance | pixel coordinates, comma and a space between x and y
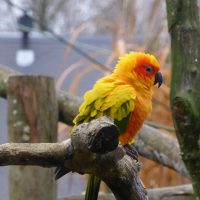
113, 99
137, 67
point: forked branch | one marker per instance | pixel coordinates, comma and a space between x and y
93, 148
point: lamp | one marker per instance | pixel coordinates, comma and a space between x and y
25, 55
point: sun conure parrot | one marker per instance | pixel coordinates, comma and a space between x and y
126, 96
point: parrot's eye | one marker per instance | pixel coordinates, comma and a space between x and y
149, 69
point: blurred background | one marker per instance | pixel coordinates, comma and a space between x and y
77, 42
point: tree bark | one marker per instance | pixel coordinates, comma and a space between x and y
32, 117
91, 149
184, 27
53, 154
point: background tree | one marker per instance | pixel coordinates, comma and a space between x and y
184, 26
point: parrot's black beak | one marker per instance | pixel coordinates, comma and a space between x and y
158, 79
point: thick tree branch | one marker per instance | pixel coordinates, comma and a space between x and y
117, 169
41, 154
52, 154
160, 147
68, 106
79, 154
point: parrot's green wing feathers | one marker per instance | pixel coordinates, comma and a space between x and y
122, 124
114, 100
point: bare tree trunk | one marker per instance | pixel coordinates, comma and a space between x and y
184, 27
32, 117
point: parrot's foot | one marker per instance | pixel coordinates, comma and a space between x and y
131, 151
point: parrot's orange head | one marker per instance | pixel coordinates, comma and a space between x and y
139, 67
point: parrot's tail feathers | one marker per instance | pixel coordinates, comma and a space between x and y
61, 171
92, 189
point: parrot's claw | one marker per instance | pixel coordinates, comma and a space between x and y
131, 151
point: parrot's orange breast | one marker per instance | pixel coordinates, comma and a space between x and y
143, 107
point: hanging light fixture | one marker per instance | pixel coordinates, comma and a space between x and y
25, 55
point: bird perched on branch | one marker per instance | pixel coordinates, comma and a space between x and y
126, 96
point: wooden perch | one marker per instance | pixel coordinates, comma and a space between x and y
77, 157
78, 154
116, 168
